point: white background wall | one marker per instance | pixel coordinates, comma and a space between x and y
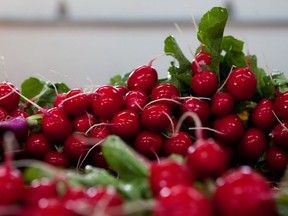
99, 39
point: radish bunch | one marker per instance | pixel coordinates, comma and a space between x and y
177, 145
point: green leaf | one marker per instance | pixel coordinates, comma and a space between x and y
32, 173
123, 159
210, 34
119, 80
32, 87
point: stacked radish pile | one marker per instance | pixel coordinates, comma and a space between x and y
146, 145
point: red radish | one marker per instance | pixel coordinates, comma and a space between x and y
204, 84
164, 91
281, 106
263, 116
57, 159
201, 59
18, 112
76, 102
168, 173
37, 146
144, 77
230, 129
253, 144
156, 117
75, 146
207, 159
97, 158
100, 131
241, 83
182, 200
279, 134
222, 103
56, 124
135, 100
11, 180
149, 143
38, 189
59, 99
277, 160
122, 89
82, 123
126, 124
106, 102
198, 106
242, 191
178, 144
9, 96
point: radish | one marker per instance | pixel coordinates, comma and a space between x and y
9, 96
149, 143
11, 180
56, 124
201, 59
252, 145
57, 159
82, 123
106, 102
37, 145
277, 160
135, 100
168, 173
76, 102
144, 77
222, 103
279, 134
164, 91
18, 112
243, 191
97, 159
182, 200
230, 129
122, 89
3, 114
178, 143
281, 106
126, 124
241, 83
99, 131
204, 83
59, 99
198, 106
156, 117
263, 115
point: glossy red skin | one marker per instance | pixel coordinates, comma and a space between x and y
279, 134
182, 200
168, 173
207, 159
202, 59
75, 146
57, 159
231, 129
198, 106
204, 83
122, 89
37, 146
76, 102
38, 189
144, 78
262, 115
222, 103
56, 124
178, 144
242, 191
106, 102
241, 84
277, 160
281, 106
9, 100
59, 99
253, 144
12, 186
149, 143
97, 159
165, 90
126, 124
155, 117
17, 112
3, 114
100, 132
82, 123
136, 100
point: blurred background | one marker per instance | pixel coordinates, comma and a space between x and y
87, 42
